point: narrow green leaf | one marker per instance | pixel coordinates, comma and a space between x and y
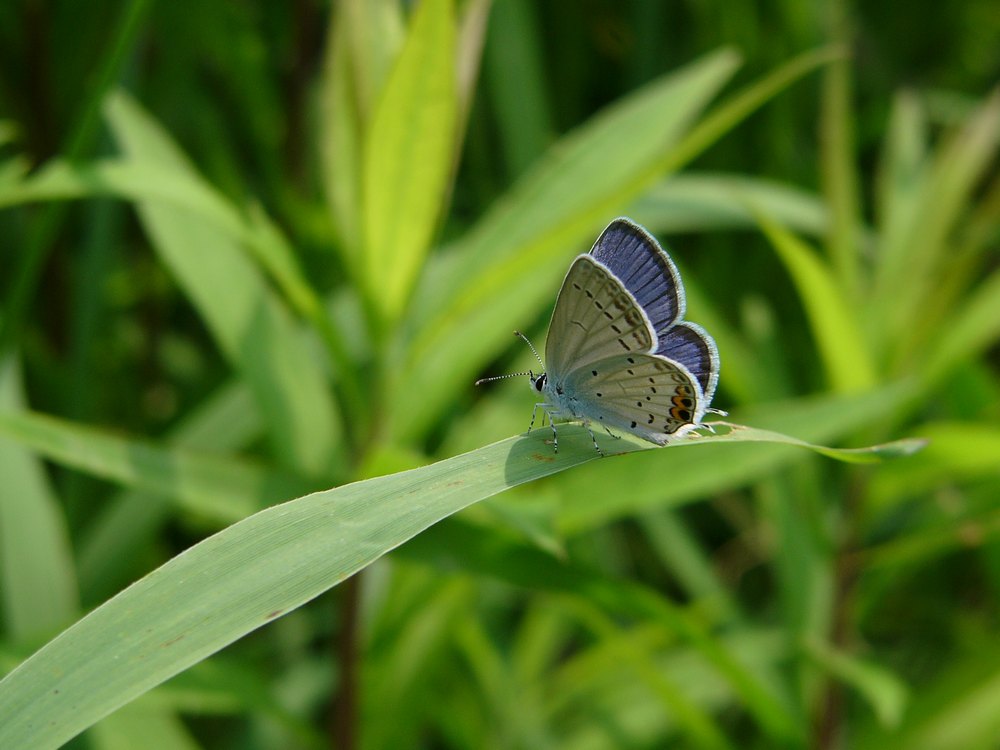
128, 180
957, 168
513, 65
116, 534
250, 573
970, 330
242, 578
837, 168
374, 31
900, 177
37, 579
253, 328
958, 452
408, 157
340, 141
848, 364
454, 544
710, 202
152, 183
722, 432
363, 40
216, 487
885, 692
592, 496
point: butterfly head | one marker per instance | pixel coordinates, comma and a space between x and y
538, 381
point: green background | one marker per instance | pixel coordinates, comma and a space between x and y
254, 250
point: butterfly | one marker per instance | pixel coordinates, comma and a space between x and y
618, 351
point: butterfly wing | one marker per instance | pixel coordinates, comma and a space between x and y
645, 394
618, 352
690, 345
635, 257
595, 317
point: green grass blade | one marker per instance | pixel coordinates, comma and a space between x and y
408, 157
255, 331
945, 192
37, 579
513, 66
959, 452
709, 202
110, 547
971, 329
723, 432
454, 544
848, 364
885, 692
62, 180
837, 168
901, 174
211, 486
145, 182
252, 572
340, 143
592, 495
243, 578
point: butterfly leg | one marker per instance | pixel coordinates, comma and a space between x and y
552, 424
534, 414
594, 439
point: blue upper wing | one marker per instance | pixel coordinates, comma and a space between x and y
637, 260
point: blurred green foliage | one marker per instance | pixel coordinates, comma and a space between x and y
284, 255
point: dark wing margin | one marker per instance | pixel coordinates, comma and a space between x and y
635, 257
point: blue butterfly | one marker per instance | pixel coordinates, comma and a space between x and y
618, 351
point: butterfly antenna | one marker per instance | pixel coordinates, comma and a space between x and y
532, 346
529, 373
502, 377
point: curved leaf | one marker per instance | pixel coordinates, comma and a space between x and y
257, 570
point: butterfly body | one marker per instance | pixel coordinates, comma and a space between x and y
618, 352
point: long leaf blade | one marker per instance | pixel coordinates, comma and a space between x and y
253, 328
251, 573
408, 157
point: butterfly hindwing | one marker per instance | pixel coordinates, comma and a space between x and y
645, 394
594, 317
690, 345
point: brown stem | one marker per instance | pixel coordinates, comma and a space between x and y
343, 709
828, 725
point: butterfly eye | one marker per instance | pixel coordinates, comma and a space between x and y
540, 382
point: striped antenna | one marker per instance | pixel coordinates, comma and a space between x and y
529, 373
532, 346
